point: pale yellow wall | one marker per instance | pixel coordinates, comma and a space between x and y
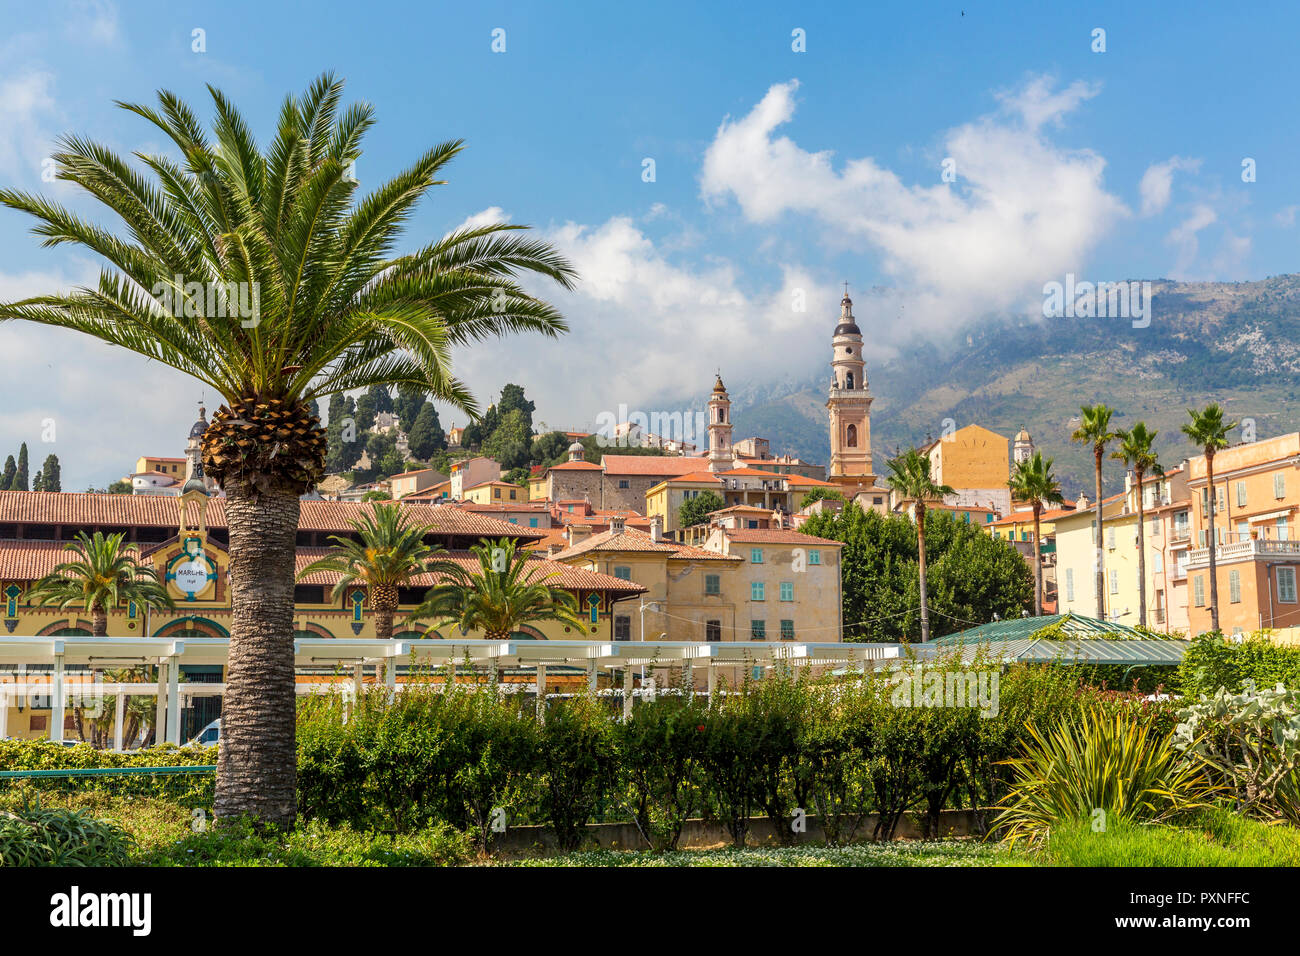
971, 457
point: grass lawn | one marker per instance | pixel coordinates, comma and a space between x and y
905, 853
1213, 839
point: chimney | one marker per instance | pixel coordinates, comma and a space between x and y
553, 549
578, 532
616, 524
656, 528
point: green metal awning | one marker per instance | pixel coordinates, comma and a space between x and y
1017, 628
1061, 638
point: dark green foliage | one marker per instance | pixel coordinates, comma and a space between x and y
696, 510
32, 836
661, 750
971, 574
1212, 662
426, 438
578, 760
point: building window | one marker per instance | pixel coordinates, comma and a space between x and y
532, 522
1114, 581
787, 590
512, 494
814, 557
1241, 494
851, 436
1069, 584
713, 631
1110, 538
623, 571
758, 630
787, 630
756, 590
712, 584
622, 628
1155, 526
1279, 485
756, 555
1283, 531
1286, 585
1234, 586
624, 484
1198, 590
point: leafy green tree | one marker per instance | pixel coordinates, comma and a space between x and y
51, 474
120, 487
1095, 431
11, 470
551, 448
696, 510
973, 576
1137, 450
1209, 432
338, 308
513, 399
104, 574
510, 442
1033, 481
38, 482
426, 437
365, 412
909, 475
20, 476
819, 494
518, 476
344, 438
410, 399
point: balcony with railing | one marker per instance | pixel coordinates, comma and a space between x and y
1250, 549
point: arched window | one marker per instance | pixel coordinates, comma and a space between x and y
850, 382
851, 436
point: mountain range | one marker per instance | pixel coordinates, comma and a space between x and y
1234, 343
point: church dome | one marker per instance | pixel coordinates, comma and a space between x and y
1022, 435
576, 448
194, 484
199, 427
847, 326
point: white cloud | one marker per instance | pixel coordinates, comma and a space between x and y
488, 216
1158, 180
1286, 216
644, 329
94, 20
1184, 238
1022, 211
25, 100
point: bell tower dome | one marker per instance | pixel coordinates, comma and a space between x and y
722, 456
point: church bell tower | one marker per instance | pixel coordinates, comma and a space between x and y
849, 404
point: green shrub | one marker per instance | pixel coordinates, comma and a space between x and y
1212, 662
1215, 837
1251, 742
195, 789
33, 836
1098, 767
660, 752
577, 759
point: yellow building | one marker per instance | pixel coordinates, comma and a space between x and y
1076, 564
495, 493
973, 461
172, 467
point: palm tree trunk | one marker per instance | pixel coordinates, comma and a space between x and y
1214, 572
1038, 563
383, 632
1142, 556
1101, 562
98, 621
920, 544
257, 761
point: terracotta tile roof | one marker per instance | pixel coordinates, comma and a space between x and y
632, 539
750, 473
698, 476
665, 465
773, 536
804, 480
576, 466
554, 572
152, 511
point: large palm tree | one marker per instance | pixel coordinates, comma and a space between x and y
387, 550
1137, 450
1033, 481
1095, 431
507, 589
1209, 432
332, 307
909, 475
103, 575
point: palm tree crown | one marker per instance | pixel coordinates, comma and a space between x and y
909, 475
103, 575
504, 592
1033, 481
1137, 449
387, 551
1208, 431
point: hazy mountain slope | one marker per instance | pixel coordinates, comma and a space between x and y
1237, 343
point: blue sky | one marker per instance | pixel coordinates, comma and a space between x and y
778, 173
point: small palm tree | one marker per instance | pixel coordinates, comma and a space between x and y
1137, 450
268, 275
1209, 432
1095, 430
507, 590
103, 575
387, 551
1033, 481
909, 475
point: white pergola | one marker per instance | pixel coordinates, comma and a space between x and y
94, 653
